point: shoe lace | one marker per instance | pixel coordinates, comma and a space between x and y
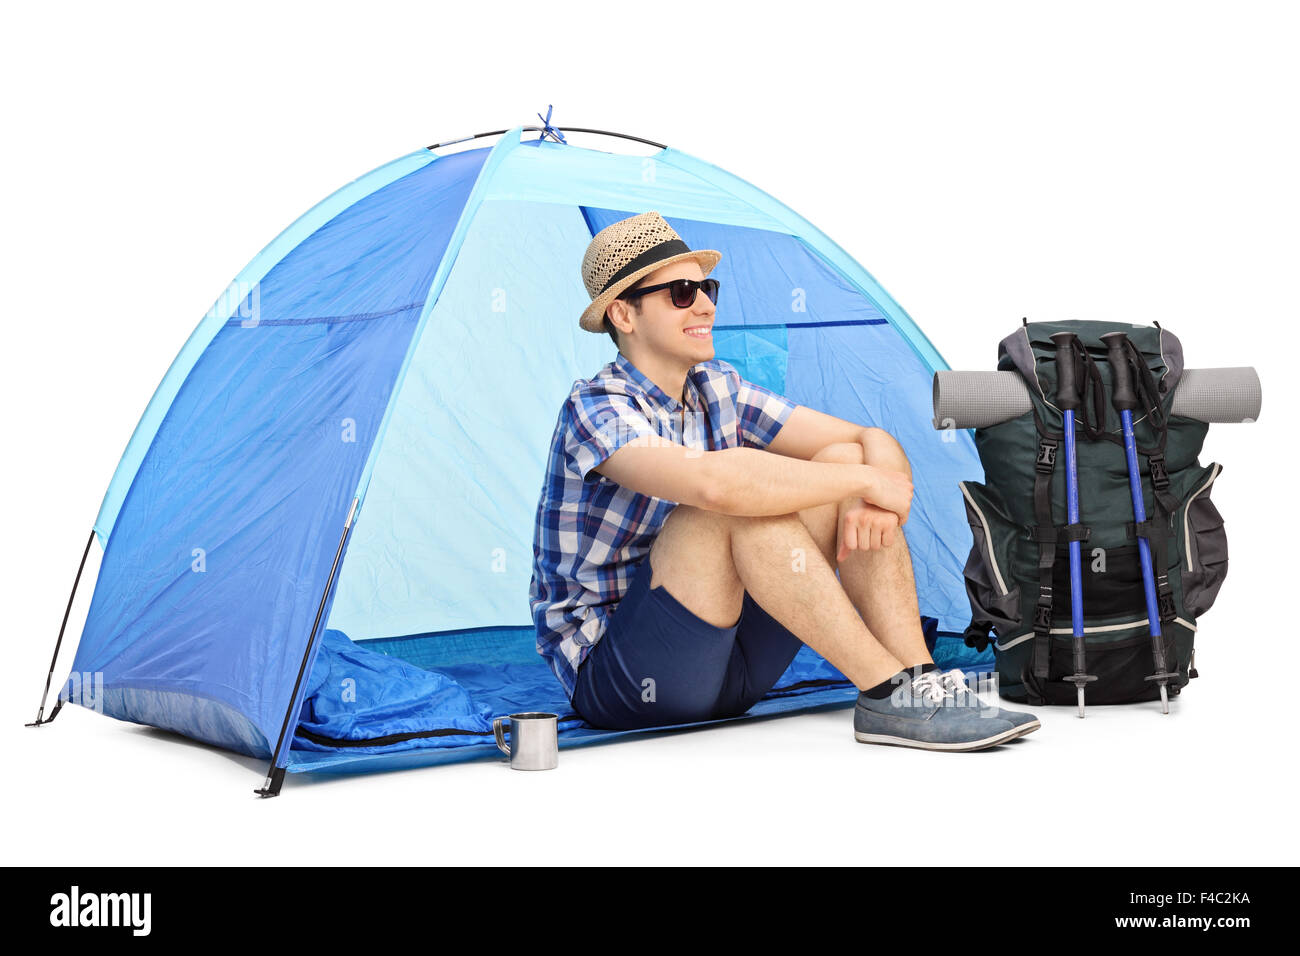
931, 686
955, 681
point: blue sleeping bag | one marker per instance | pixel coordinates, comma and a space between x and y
442, 690
366, 701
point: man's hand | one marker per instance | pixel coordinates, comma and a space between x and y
865, 527
892, 491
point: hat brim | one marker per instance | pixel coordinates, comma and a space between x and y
593, 317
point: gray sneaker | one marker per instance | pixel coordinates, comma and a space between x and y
955, 681
923, 712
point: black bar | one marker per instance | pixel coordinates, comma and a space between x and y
1103, 903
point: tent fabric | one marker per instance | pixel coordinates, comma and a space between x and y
487, 381
213, 574
226, 305
399, 355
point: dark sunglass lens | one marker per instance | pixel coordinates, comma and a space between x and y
710, 287
683, 292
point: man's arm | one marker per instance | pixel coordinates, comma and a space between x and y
751, 481
807, 431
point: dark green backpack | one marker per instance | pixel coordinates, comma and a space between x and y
1017, 575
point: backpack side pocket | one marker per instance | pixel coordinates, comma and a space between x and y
1203, 545
990, 575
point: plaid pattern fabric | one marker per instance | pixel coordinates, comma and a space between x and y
592, 532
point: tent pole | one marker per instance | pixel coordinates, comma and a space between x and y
40, 714
275, 773
562, 129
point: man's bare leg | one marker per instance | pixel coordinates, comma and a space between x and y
709, 560
880, 583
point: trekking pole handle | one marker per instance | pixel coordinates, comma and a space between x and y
1123, 397
1067, 383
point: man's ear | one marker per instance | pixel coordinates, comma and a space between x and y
620, 314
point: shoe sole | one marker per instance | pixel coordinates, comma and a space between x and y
1028, 728
962, 747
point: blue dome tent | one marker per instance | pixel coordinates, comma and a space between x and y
318, 543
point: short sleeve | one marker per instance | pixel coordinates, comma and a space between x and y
600, 423
760, 412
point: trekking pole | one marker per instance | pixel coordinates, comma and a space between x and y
1125, 400
1067, 398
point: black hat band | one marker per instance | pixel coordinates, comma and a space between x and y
665, 250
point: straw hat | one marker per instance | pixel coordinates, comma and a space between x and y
622, 253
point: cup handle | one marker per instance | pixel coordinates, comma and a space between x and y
499, 731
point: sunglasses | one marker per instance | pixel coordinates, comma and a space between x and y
682, 291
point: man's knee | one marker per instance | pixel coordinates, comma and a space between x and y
699, 533
689, 517
877, 447
884, 451
692, 557
688, 521
842, 453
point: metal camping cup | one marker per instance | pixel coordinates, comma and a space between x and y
534, 741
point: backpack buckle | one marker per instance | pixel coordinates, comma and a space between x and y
1165, 599
1043, 611
1046, 459
1159, 474
1167, 610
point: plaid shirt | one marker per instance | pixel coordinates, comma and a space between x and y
592, 532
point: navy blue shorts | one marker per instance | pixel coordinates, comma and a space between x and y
657, 663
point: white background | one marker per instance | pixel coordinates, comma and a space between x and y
1128, 162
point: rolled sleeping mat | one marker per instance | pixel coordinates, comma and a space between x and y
1219, 395
981, 399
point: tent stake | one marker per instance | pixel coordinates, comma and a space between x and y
275, 773
40, 714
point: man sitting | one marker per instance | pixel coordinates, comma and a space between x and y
691, 525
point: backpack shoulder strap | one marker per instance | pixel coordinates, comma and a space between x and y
1045, 534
